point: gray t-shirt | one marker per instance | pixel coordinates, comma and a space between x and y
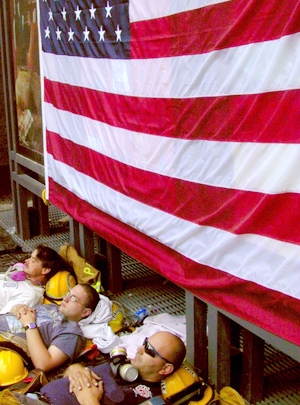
54, 329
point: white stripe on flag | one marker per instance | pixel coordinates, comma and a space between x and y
278, 264
249, 69
142, 10
221, 164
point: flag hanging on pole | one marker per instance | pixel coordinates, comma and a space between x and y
172, 130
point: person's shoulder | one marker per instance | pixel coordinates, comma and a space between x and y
71, 327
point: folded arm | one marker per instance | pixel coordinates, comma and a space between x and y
42, 358
80, 376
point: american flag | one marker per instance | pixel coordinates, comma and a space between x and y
172, 130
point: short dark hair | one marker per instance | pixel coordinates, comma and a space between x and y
52, 260
92, 296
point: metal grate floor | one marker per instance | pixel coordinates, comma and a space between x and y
281, 384
131, 269
157, 296
54, 241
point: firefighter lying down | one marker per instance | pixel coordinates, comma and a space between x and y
155, 374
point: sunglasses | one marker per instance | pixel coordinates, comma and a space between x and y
73, 298
149, 349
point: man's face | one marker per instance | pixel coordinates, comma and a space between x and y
144, 362
73, 305
33, 265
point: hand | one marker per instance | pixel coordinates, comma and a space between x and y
15, 310
89, 395
80, 376
21, 309
26, 315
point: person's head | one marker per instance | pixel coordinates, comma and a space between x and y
79, 303
43, 263
160, 355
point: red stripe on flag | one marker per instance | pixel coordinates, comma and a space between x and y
214, 27
248, 300
241, 212
270, 117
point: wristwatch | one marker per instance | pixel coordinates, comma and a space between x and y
30, 326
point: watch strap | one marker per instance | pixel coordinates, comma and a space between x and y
30, 326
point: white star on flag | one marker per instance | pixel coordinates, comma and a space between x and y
64, 14
47, 32
118, 33
86, 34
101, 33
58, 34
92, 11
71, 35
77, 12
108, 10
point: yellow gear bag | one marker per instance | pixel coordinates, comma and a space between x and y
85, 272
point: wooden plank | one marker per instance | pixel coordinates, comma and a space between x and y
115, 282
200, 336
32, 185
224, 351
43, 217
24, 226
74, 233
87, 248
252, 367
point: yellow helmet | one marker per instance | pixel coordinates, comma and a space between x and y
58, 286
12, 369
185, 386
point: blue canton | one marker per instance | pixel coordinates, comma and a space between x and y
94, 28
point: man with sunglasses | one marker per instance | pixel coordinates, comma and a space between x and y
51, 332
159, 356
